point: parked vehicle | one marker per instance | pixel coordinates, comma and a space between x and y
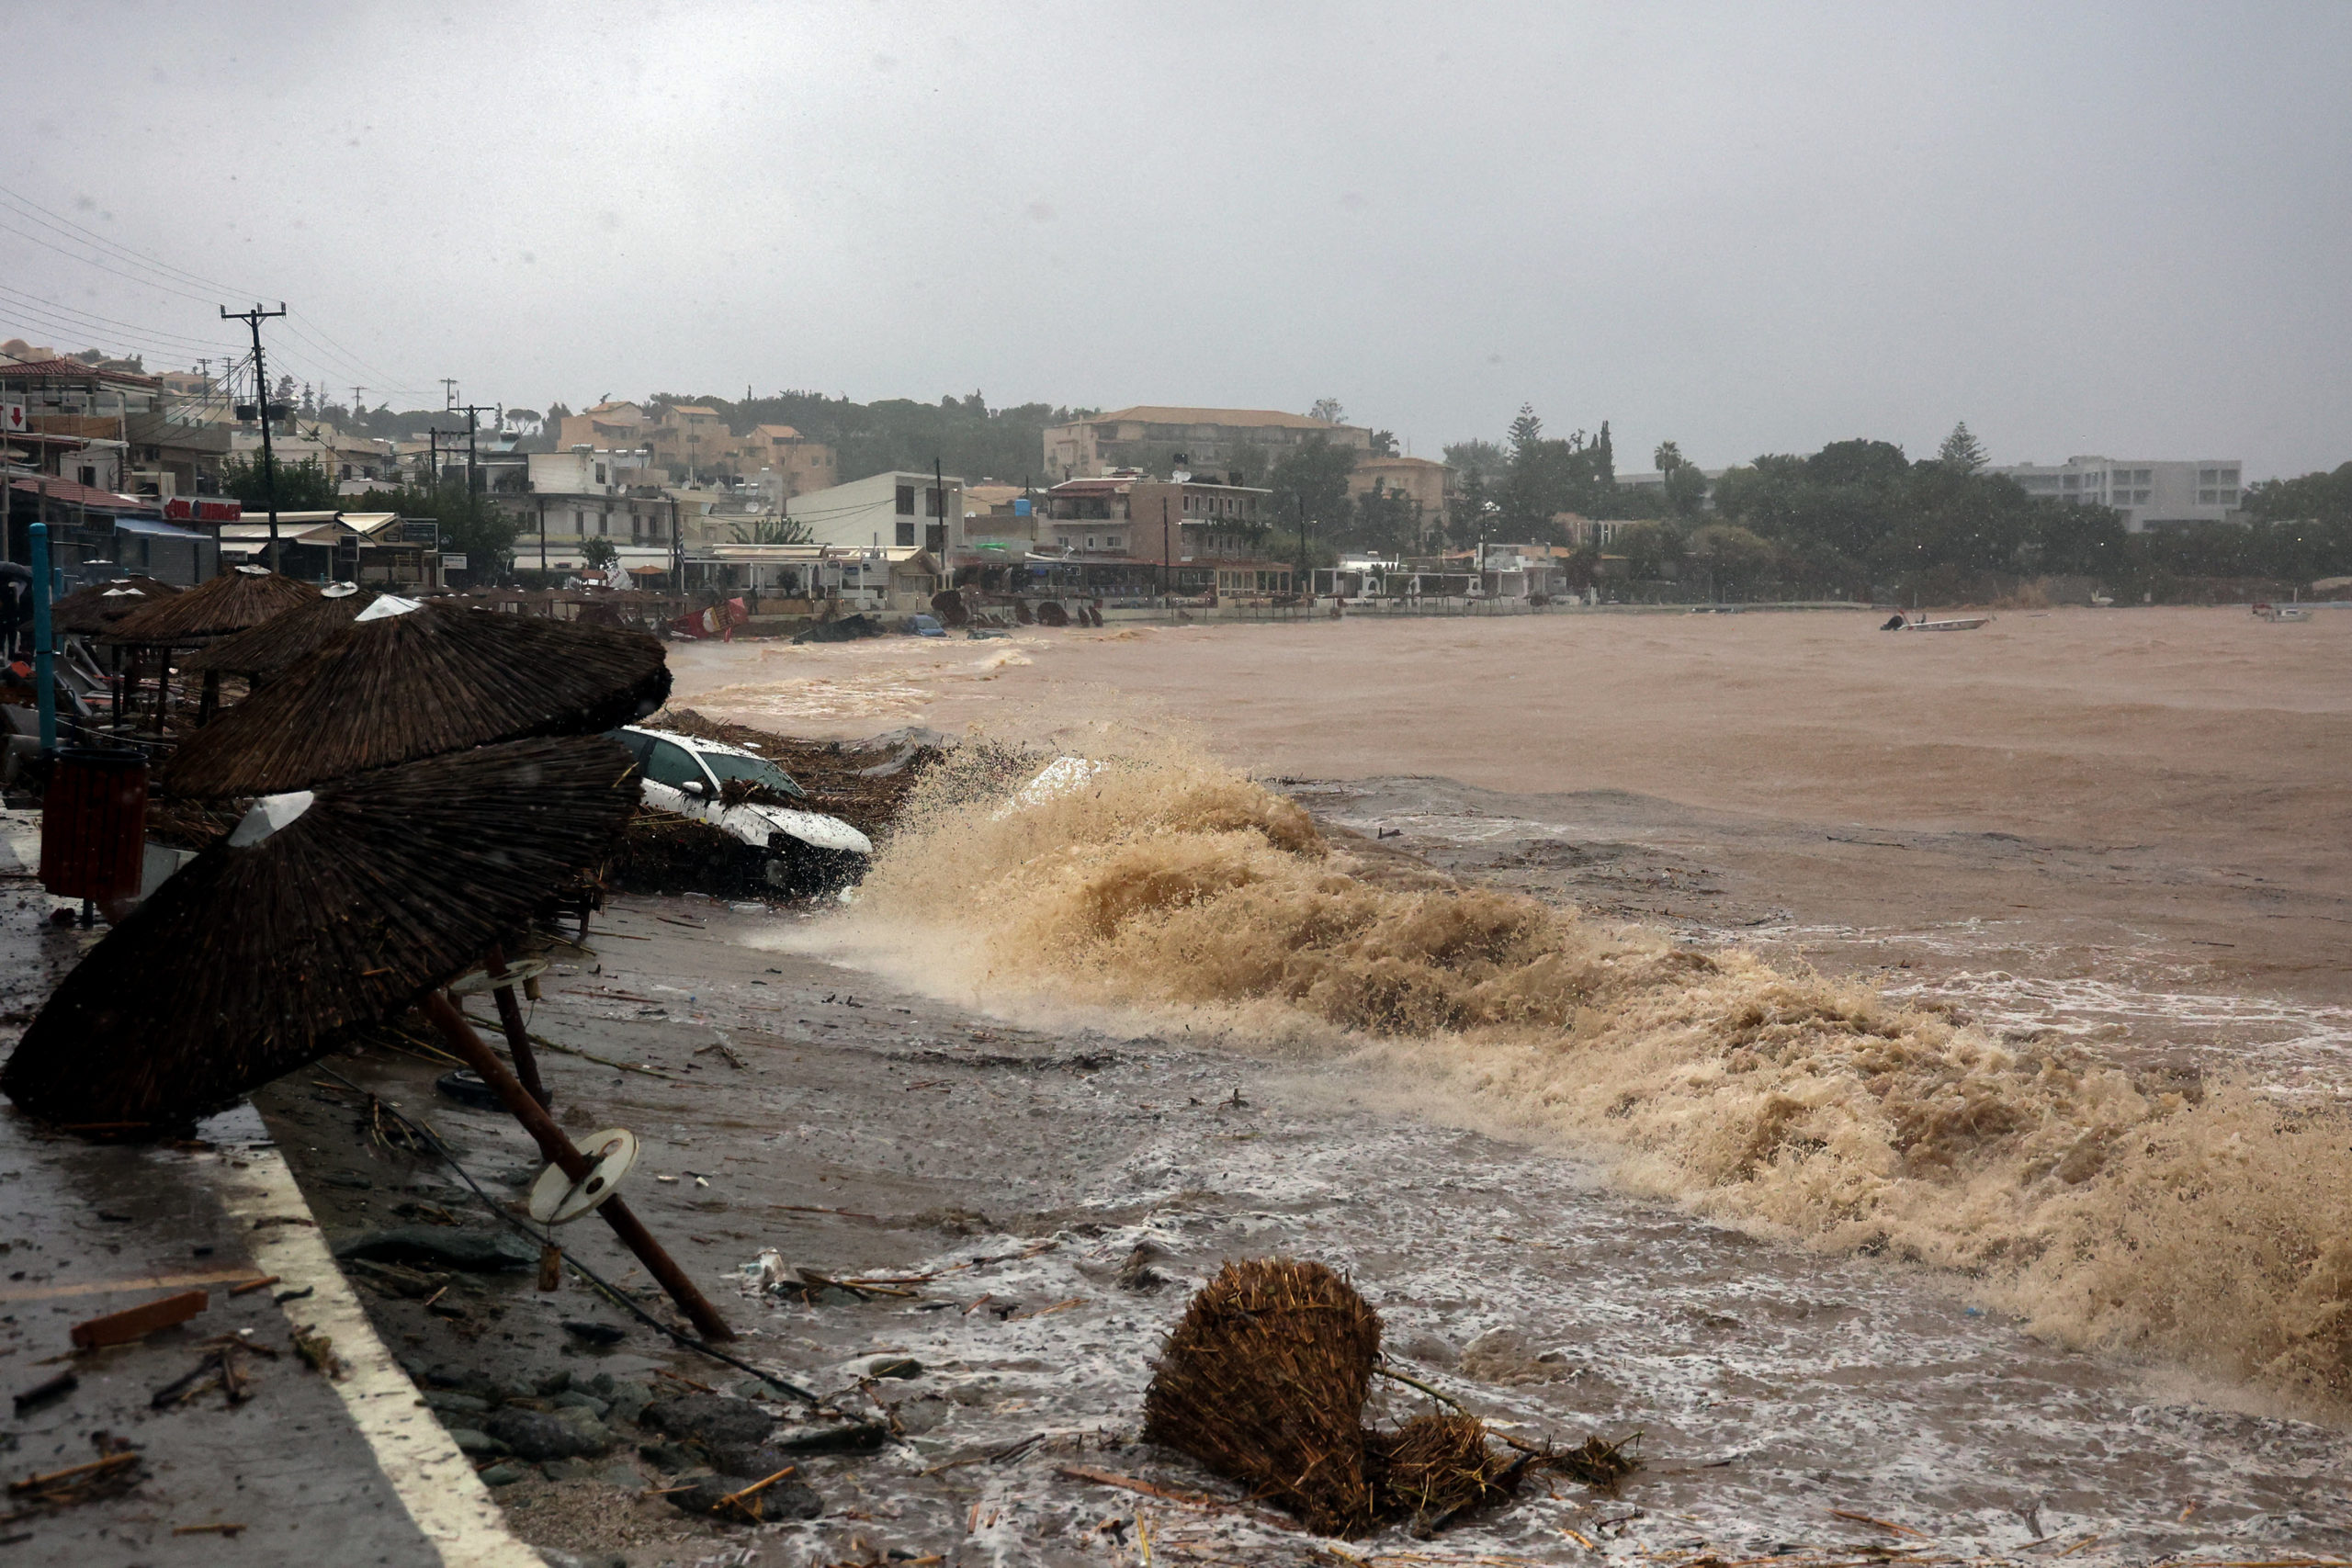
745, 794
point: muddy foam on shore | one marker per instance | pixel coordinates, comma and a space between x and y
2192, 1221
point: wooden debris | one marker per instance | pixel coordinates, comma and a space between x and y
1190, 1499
106, 1477
137, 1323
1880, 1523
42, 1393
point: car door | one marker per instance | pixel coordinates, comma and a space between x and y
669, 767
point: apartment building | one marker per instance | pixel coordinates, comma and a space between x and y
609, 425
897, 508
787, 462
1155, 437
2150, 492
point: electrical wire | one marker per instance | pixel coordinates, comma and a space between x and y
168, 277
610, 1290
214, 346
57, 223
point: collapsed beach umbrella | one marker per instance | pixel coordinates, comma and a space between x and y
101, 607
405, 681
285, 639
322, 913
1264, 1379
229, 602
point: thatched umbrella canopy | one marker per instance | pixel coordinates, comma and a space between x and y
321, 914
400, 684
99, 606
243, 597
285, 640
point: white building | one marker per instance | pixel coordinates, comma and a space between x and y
588, 470
894, 510
2150, 493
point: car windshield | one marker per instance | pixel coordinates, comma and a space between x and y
758, 770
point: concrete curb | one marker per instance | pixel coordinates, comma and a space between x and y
436, 1483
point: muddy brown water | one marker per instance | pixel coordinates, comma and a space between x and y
2122, 832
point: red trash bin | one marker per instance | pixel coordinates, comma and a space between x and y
94, 824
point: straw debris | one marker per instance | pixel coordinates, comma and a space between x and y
1265, 1380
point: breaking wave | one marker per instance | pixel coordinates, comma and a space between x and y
2199, 1222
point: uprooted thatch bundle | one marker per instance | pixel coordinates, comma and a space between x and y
246, 596
321, 914
1436, 1466
98, 607
421, 683
1264, 1379
284, 641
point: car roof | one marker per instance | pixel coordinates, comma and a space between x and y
693, 743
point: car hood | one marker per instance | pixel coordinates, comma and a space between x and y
755, 821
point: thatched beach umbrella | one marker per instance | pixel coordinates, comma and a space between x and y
322, 913
100, 606
243, 597
285, 639
238, 598
405, 681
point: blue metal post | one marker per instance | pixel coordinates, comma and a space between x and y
44, 648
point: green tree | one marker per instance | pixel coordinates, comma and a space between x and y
1384, 443
1962, 450
1386, 520
472, 524
598, 552
305, 486
1310, 479
1482, 461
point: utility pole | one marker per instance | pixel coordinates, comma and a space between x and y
470, 410
448, 394
253, 320
939, 501
1166, 557
1302, 572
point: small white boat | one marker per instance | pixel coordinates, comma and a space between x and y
1957, 624
2281, 612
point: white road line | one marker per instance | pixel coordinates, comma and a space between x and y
434, 1481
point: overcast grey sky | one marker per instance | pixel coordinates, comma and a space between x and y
2123, 230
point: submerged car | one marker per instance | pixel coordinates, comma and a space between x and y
744, 795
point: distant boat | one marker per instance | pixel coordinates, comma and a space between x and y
2281, 612
1958, 623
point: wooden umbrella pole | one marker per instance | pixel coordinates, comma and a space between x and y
557, 1148
518, 1039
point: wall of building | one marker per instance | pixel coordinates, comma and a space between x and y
2149, 493
886, 509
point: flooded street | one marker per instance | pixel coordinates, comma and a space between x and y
2136, 874
1007, 1173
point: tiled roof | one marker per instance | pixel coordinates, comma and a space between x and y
68, 370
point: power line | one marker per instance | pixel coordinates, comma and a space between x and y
59, 224
148, 334
89, 261
168, 277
